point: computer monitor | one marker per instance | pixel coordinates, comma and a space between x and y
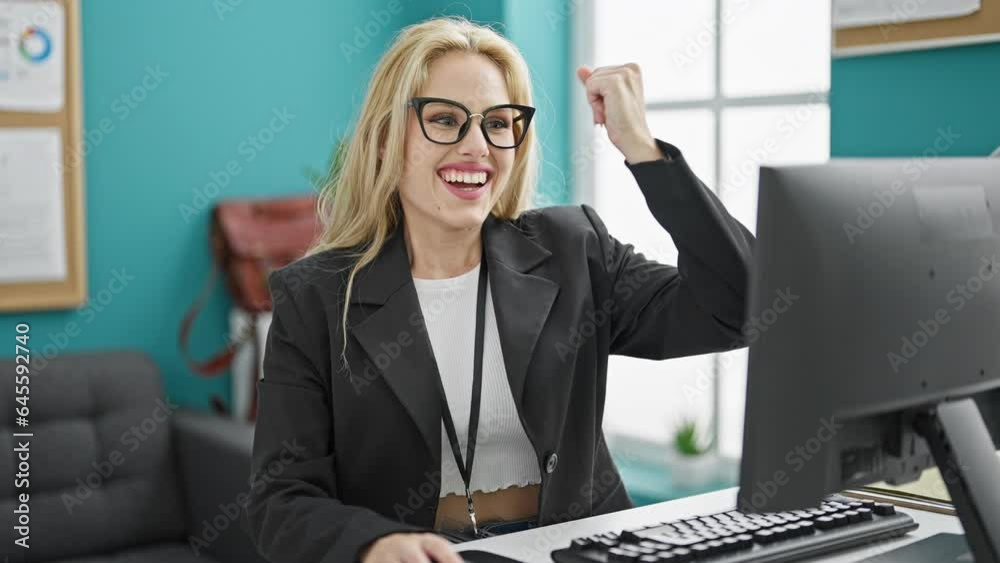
874, 328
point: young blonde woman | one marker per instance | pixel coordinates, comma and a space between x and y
437, 306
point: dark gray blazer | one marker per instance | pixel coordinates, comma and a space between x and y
342, 457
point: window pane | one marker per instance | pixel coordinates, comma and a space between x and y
767, 135
732, 401
673, 42
693, 132
775, 47
647, 399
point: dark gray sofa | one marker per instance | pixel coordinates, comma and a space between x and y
118, 473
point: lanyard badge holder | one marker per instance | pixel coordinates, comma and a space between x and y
465, 468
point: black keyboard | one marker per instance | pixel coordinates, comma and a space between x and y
737, 537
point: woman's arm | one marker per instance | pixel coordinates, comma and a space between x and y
293, 513
663, 311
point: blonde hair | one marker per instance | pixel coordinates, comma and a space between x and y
360, 206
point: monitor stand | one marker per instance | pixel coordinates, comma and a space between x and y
964, 453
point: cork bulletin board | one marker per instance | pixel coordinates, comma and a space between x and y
982, 26
49, 231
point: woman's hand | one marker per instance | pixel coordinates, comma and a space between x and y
615, 97
410, 548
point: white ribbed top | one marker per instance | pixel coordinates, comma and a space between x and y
504, 455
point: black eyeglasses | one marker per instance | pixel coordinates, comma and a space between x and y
446, 122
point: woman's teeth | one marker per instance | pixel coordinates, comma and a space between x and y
458, 176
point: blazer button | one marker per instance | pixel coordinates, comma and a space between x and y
551, 464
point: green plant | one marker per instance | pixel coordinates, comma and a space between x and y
318, 180
688, 440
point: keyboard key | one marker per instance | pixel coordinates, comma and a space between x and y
716, 547
654, 545
764, 537
864, 513
731, 543
777, 520
652, 533
678, 540
824, 523
671, 556
700, 550
581, 543
884, 509
619, 555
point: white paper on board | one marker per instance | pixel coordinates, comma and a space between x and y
858, 13
32, 56
32, 228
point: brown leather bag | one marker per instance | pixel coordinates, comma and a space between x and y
249, 238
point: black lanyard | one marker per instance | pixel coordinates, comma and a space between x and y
477, 387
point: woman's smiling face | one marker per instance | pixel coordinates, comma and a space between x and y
443, 183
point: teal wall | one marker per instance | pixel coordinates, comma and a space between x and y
542, 32
214, 80
894, 105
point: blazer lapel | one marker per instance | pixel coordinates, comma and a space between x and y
394, 337
521, 300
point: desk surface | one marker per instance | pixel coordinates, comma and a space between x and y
534, 546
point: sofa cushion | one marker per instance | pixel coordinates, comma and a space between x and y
160, 553
102, 475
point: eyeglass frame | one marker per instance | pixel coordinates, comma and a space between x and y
418, 103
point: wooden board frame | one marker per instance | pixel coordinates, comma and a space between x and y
71, 291
979, 27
